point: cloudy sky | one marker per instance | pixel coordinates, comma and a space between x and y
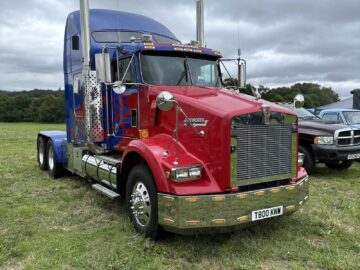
283, 41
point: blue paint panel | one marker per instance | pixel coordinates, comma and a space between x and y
57, 137
101, 19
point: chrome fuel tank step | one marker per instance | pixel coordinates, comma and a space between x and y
105, 191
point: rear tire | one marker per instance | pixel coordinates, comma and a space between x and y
141, 202
41, 153
309, 160
339, 164
55, 169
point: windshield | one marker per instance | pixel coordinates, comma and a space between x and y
179, 70
352, 118
301, 112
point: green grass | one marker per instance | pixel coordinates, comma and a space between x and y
64, 224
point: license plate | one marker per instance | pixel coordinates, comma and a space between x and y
267, 213
354, 156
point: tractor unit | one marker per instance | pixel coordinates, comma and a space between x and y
148, 119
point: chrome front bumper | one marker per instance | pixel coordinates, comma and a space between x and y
182, 214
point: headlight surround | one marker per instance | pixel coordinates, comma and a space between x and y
324, 140
183, 174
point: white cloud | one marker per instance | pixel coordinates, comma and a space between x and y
284, 42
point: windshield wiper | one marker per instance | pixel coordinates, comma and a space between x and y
182, 76
188, 71
185, 73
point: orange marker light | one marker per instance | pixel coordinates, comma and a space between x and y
218, 221
243, 218
242, 196
168, 221
193, 222
259, 193
192, 200
143, 133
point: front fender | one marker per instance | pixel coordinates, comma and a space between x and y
152, 150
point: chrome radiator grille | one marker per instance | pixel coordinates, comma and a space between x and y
263, 152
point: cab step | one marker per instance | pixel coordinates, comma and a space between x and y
105, 191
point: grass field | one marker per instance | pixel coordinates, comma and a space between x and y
64, 224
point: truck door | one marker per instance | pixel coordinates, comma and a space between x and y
125, 105
75, 98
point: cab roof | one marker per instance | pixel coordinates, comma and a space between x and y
108, 20
102, 19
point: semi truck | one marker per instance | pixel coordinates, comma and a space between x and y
149, 120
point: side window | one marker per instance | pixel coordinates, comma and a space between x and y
121, 69
75, 43
207, 75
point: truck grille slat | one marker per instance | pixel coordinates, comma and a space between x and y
263, 151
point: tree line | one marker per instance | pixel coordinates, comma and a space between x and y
49, 106
46, 106
315, 94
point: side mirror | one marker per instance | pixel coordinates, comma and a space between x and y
299, 101
165, 101
103, 69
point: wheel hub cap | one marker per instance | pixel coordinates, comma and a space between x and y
140, 204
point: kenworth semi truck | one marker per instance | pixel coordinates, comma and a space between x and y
148, 119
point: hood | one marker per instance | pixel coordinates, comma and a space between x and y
211, 109
218, 101
319, 127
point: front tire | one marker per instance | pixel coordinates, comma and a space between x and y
339, 164
141, 202
54, 168
309, 160
41, 153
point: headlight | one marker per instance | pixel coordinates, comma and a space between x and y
183, 174
301, 158
323, 140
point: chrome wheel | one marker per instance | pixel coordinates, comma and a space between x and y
140, 204
41, 153
51, 158
55, 168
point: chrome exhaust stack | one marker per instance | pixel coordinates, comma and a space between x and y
92, 89
85, 33
200, 23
